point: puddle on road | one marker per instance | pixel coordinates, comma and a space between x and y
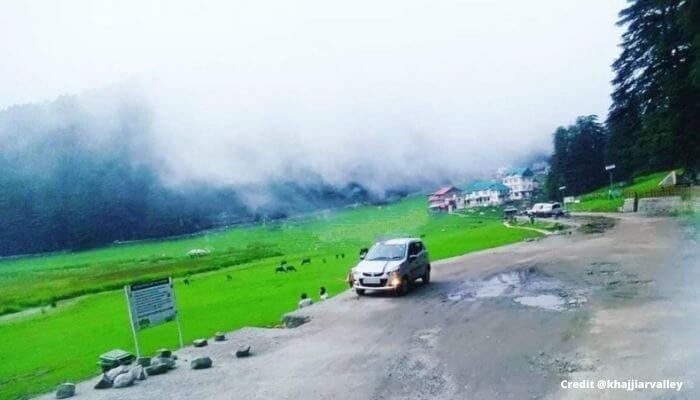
526, 287
546, 301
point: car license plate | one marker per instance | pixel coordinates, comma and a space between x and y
371, 281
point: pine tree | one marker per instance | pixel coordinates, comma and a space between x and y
654, 118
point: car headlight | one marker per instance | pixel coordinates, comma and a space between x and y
394, 279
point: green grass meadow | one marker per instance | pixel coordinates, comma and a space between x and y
597, 200
53, 344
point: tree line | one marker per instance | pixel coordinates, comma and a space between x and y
654, 121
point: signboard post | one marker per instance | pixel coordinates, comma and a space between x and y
150, 304
610, 169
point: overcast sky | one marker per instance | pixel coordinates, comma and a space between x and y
246, 91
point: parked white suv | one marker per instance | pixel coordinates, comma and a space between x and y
391, 265
546, 210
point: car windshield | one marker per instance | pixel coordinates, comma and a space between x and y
383, 251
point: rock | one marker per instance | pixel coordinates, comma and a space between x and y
219, 337
156, 369
293, 320
104, 383
201, 363
116, 371
65, 390
243, 351
169, 362
123, 380
143, 361
138, 373
200, 342
164, 353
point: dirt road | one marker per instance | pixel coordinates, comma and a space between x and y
508, 323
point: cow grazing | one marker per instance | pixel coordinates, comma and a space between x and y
228, 277
283, 262
186, 281
306, 261
290, 268
280, 269
324, 260
342, 255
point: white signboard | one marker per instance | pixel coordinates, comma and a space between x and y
151, 303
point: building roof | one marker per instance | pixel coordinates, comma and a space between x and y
487, 185
518, 172
444, 190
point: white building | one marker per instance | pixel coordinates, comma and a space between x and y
522, 183
485, 193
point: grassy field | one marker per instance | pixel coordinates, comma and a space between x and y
597, 200
53, 344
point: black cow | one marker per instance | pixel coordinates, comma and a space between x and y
291, 268
306, 261
186, 281
280, 269
283, 262
228, 277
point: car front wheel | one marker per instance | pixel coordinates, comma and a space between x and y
403, 289
426, 276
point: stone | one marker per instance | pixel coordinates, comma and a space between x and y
219, 337
65, 390
143, 361
168, 361
123, 380
138, 373
156, 369
104, 383
294, 320
164, 353
243, 351
200, 342
201, 363
660, 205
116, 371
628, 206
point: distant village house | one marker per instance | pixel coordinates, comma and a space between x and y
486, 193
522, 183
444, 199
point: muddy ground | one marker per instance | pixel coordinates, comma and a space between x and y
508, 323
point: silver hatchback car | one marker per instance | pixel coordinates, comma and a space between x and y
391, 265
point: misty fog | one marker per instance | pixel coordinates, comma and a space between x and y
388, 94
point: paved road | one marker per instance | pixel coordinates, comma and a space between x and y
508, 323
